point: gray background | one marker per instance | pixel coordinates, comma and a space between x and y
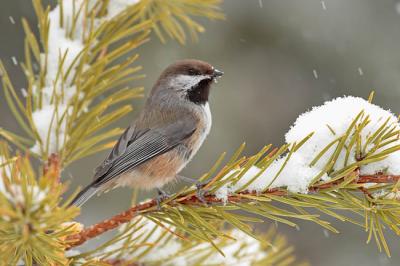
268, 54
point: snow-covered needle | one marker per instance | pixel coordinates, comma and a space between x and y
296, 170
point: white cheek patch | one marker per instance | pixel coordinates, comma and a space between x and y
186, 81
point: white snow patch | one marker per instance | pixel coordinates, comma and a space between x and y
338, 114
387, 194
328, 122
243, 251
63, 49
50, 123
17, 196
393, 195
164, 248
117, 6
72, 253
60, 46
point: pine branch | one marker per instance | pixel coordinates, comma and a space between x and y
151, 206
378, 178
173, 17
346, 166
85, 50
34, 224
118, 262
166, 247
250, 185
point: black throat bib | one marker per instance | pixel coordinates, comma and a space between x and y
199, 94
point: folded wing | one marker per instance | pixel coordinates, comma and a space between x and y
133, 148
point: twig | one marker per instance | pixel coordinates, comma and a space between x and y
191, 199
109, 224
118, 262
378, 178
366, 192
52, 167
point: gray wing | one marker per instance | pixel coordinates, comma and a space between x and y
129, 135
135, 147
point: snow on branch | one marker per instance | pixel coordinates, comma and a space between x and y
325, 170
33, 222
166, 248
340, 159
79, 68
74, 62
345, 133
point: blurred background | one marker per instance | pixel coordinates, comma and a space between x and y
280, 58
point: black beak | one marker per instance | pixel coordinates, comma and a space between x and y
217, 73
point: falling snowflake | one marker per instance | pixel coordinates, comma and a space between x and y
315, 74
14, 60
323, 5
397, 7
11, 20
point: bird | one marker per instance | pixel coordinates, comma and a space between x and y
168, 132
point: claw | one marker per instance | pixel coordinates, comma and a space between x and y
162, 195
200, 192
201, 184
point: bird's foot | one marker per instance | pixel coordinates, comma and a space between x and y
200, 191
162, 195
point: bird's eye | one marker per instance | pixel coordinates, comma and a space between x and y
193, 72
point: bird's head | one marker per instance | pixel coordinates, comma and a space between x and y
188, 79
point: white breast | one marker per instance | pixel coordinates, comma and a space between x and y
205, 113
207, 120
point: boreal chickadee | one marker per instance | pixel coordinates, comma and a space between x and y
169, 131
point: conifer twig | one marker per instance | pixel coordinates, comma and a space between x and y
53, 167
191, 199
118, 262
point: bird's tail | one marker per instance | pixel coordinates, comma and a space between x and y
84, 195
